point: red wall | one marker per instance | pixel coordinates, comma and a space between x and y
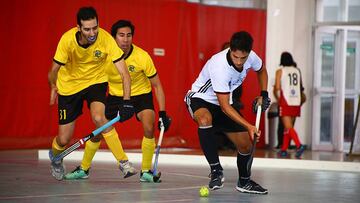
31, 30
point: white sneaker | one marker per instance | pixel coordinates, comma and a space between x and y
127, 169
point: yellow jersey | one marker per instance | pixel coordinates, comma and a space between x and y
83, 67
141, 68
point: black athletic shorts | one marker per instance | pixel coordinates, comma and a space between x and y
140, 103
70, 107
221, 122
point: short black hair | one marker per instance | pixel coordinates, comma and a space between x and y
86, 13
241, 41
121, 24
286, 59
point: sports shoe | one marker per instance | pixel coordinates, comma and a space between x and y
57, 167
149, 177
127, 169
251, 187
78, 173
217, 179
300, 151
283, 154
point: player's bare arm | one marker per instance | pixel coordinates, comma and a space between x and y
52, 77
225, 106
159, 92
125, 76
263, 81
277, 84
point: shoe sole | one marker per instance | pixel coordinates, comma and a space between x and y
250, 191
217, 187
129, 174
76, 178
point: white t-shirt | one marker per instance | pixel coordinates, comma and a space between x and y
219, 75
291, 85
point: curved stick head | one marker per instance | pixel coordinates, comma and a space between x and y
156, 178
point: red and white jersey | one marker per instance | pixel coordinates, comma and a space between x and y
219, 75
291, 85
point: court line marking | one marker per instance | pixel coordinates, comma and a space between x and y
163, 172
96, 193
228, 162
187, 175
176, 200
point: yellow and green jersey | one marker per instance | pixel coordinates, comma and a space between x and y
83, 67
140, 67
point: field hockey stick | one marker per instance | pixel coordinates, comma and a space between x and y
84, 139
257, 123
157, 151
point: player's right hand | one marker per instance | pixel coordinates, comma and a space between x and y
262, 100
126, 111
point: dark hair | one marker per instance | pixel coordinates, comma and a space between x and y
287, 60
86, 13
241, 41
121, 24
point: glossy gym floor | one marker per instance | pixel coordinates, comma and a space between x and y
25, 177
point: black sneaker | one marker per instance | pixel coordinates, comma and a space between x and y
217, 180
300, 151
283, 154
251, 187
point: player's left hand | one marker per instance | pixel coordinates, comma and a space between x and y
165, 119
254, 133
262, 100
53, 95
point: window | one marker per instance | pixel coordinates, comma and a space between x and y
338, 10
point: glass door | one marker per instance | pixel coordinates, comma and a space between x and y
336, 87
352, 84
327, 89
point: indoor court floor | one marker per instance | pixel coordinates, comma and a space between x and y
25, 177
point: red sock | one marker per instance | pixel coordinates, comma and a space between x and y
295, 137
286, 140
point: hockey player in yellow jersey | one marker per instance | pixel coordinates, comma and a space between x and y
77, 74
143, 77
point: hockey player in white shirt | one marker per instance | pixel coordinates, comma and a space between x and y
209, 104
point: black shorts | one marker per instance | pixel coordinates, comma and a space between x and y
140, 103
221, 122
70, 107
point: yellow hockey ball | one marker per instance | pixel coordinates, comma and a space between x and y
204, 191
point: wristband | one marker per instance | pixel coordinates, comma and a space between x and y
264, 94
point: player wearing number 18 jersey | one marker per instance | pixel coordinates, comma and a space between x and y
289, 92
290, 98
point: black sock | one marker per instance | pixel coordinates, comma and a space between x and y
209, 146
242, 163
